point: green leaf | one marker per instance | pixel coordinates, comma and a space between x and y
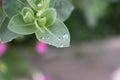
2, 16
64, 9
28, 18
45, 4
25, 10
28, 14
24, 1
18, 26
56, 35
50, 15
12, 7
5, 34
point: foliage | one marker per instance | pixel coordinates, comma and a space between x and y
90, 20
19, 18
42, 17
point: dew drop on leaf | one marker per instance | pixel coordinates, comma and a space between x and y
61, 46
42, 38
59, 38
47, 37
65, 36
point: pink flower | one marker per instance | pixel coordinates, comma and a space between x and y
38, 76
116, 75
41, 47
3, 48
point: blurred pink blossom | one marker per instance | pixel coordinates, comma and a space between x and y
41, 47
39, 76
3, 48
116, 75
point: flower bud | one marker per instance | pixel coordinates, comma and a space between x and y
38, 76
41, 47
3, 48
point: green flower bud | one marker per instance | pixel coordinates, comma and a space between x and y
50, 15
28, 15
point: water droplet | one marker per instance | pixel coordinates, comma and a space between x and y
59, 38
42, 38
48, 38
65, 36
61, 46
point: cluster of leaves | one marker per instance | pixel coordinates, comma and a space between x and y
42, 17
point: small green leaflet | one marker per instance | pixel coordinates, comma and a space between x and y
18, 26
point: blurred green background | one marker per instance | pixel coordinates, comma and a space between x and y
91, 20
